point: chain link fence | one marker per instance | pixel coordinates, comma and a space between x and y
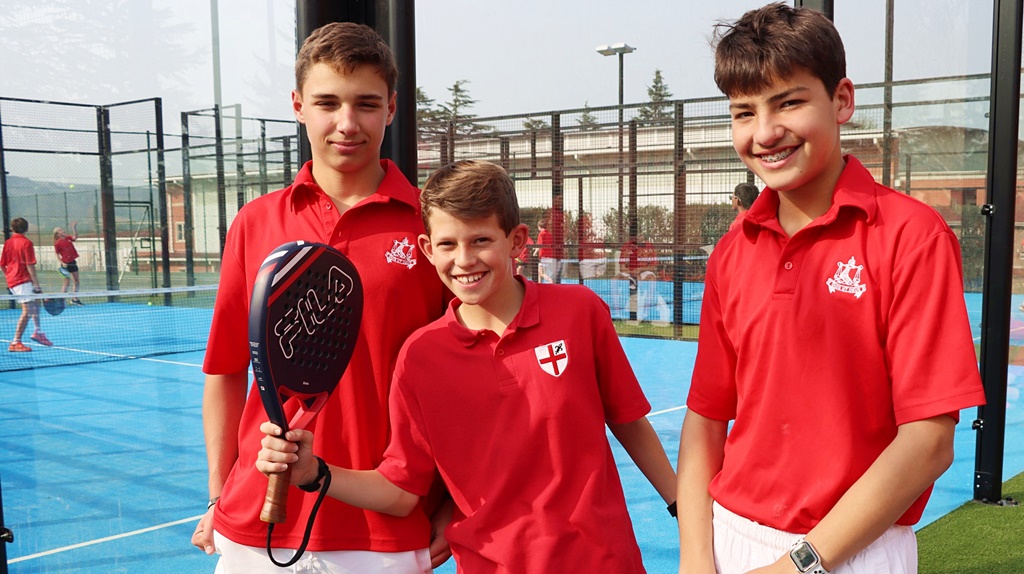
635, 198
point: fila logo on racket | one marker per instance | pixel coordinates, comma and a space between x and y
309, 313
847, 279
552, 357
402, 253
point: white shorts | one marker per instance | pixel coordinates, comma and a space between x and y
23, 292
238, 559
742, 545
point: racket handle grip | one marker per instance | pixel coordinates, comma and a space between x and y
275, 505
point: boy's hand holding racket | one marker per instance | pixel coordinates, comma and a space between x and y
291, 450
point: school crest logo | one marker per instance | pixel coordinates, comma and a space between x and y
402, 253
552, 357
847, 279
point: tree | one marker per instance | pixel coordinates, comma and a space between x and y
654, 225
454, 110
536, 125
587, 121
429, 119
657, 108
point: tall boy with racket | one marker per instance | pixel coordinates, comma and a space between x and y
508, 397
817, 334
346, 197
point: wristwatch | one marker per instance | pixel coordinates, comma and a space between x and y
806, 558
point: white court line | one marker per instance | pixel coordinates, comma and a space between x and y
671, 410
107, 539
127, 357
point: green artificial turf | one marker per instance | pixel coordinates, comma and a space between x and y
976, 538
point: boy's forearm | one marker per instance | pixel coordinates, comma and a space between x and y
223, 403
701, 451
644, 447
919, 454
370, 490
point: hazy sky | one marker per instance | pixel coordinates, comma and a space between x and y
519, 57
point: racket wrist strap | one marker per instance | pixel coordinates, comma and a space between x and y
322, 470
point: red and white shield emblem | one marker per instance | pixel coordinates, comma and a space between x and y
552, 357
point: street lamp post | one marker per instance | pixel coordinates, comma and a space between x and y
610, 50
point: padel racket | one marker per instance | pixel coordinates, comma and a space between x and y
54, 306
304, 318
63, 271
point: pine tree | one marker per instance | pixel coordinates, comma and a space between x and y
535, 124
658, 107
428, 118
587, 121
455, 109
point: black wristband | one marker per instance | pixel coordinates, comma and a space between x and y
212, 502
672, 509
322, 470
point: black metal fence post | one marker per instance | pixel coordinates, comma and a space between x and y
1001, 184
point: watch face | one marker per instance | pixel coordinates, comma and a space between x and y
803, 556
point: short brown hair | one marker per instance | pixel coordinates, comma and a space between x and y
766, 44
471, 189
19, 225
746, 193
344, 46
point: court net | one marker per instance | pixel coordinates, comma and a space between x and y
108, 326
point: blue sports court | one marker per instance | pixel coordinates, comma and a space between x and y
104, 467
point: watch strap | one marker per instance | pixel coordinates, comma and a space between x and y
322, 470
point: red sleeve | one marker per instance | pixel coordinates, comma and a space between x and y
228, 348
713, 384
934, 366
623, 398
409, 460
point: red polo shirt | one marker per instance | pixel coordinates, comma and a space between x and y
820, 345
65, 249
17, 255
516, 426
549, 249
402, 293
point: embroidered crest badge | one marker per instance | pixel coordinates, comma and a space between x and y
553, 358
402, 253
847, 279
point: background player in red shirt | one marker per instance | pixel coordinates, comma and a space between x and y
19, 264
548, 254
507, 397
348, 198
64, 245
818, 334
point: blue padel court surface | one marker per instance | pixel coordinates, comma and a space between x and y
103, 466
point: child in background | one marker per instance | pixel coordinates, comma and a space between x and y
64, 246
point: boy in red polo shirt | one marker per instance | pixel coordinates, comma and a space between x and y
349, 198
507, 397
817, 334
18, 261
